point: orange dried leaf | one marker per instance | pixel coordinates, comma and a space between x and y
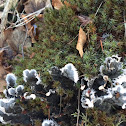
26, 21
32, 55
81, 41
117, 95
57, 4
40, 16
74, 7
101, 45
67, 3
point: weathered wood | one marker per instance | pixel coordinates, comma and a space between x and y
8, 5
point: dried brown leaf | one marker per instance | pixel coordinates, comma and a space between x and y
57, 4
74, 7
117, 95
81, 41
2, 72
84, 20
34, 5
32, 55
7, 34
14, 38
8, 69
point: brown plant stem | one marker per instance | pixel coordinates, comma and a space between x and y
78, 109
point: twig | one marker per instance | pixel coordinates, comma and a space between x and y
60, 103
98, 8
73, 39
124, 25
24, 42
77, 34
78, 109
2, 5
49, 113
101, 45
4, 48
29, 17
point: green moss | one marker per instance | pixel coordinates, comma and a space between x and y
96, 117
61, 27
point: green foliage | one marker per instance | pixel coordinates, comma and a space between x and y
110, 16
62, 26
94, 117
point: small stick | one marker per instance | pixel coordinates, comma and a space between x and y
49, 113
73, 39
60, 102
124, 26
101, 45
4, 48
77, 34
78, 109
98, 8
30, 17
24, 42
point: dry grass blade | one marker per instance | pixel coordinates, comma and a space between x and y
30, 29
101, 45
124, 26
78, 109
29, 18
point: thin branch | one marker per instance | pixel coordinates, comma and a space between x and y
73, 39
2, 5
29, 17
60, 103
24, 42
78, 109
49, 113
77, 34
124, 25
4, 48
98, 8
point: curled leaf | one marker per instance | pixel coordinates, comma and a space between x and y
33, 5
84, 20
81, 41
57, 4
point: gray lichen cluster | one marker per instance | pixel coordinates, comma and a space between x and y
109, 86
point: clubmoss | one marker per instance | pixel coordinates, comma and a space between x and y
108, 15
57, 51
